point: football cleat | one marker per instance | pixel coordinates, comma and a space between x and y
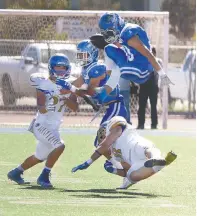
155, 162
125, 184
15, 175
43, 180
170, 157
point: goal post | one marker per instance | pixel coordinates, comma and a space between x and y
20, 28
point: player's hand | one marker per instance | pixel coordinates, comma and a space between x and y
109, 167
64, 84
165, 80
82, 166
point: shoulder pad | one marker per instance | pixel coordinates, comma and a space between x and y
97, 71
116, 121
129, 31
37, 78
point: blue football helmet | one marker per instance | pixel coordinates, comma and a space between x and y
59, 60
111, 24
87, 53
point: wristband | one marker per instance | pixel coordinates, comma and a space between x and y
89, 161
73, 89
98, 153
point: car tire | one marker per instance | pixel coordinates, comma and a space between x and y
9, 97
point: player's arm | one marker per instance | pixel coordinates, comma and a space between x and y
78, 82
107, 142
41, 99
94, 82
102, 149
137, 44
72, 103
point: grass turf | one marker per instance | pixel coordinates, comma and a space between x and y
91, 192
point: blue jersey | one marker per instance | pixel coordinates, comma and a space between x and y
132, 64
96, 70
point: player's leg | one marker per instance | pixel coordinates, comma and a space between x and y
53, 148
139, 153
143, 97
127, 100
144, 169
153, 92
15, 174
110, 168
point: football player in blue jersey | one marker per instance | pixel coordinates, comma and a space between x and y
128, 53
95, 75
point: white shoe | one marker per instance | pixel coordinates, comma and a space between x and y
125, 184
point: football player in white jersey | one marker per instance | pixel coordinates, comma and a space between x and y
139, 157
51, 103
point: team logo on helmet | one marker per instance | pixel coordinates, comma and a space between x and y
111, 25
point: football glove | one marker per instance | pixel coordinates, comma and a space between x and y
65, 85
98, 41
109, 167
165, 80
82, 166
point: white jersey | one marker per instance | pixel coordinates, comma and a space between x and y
129, 147
52, 119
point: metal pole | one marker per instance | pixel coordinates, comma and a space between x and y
165, 59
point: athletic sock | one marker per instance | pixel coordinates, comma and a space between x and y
47, 169
20, 168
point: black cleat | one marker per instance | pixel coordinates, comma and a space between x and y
155, 162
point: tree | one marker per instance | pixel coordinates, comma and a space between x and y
30, 27
182, 17
38, 4
99, 4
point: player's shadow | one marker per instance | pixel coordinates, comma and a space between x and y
35, 187
112, 194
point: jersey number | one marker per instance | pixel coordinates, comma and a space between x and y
128, 53
117, 153
55, 102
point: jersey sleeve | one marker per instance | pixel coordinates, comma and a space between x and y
97, 71
129, 31
110, 54
39, 82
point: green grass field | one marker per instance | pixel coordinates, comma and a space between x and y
91, 192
